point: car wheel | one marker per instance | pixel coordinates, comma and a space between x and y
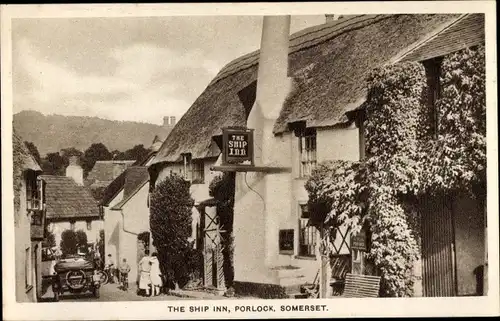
103, 277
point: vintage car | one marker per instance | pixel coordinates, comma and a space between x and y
75, 274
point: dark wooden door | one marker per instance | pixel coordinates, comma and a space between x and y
438, 253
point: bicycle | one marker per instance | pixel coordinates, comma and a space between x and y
124, 281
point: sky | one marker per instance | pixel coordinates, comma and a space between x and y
133, 68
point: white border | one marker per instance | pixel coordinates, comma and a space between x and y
474, 306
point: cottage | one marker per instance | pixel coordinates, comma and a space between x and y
302, 95
103, 173
125, 206
29, 223
70, 205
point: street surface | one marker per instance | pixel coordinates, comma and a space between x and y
111, 292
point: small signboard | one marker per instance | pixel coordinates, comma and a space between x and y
237, 144
359, 241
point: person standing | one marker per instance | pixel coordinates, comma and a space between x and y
110, 266
145, 276
155, 274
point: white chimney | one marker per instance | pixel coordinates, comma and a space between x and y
166, 121
273, 84
257, 209
74, 170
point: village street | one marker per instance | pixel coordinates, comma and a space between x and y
111, 292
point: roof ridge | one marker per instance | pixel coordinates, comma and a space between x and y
252, 57
433, 34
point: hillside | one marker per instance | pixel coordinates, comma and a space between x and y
52, 133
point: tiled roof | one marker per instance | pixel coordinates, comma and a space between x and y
107, 171
117, 184
135, 178
65, 199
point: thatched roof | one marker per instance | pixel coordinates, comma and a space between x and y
66, 200
27, 161
329, 63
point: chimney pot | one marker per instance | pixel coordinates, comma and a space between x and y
165, 121
172, 120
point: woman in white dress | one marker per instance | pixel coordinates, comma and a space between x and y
145, 275
155, 274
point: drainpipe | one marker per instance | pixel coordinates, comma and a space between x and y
123, 226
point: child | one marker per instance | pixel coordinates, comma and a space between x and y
124, 270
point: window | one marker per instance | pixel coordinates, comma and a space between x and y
89, 225
32, 198
198, 172
432, 70
307, 150
286, 241
27, 269
187, 169
307, 234
72, 225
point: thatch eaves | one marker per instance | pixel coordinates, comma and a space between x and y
26, 160
329, 64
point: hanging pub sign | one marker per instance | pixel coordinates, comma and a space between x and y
237, 144
359, 241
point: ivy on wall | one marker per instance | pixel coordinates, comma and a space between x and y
457, 158
18, 173
403, 162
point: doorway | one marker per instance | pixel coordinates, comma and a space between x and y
438, 247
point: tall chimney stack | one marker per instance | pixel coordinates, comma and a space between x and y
172, 121
273, 84
74, 170
257, 209
165, 121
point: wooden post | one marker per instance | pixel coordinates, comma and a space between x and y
323, 279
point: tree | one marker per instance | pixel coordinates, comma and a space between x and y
94, 153
71, 151
33, 151
53, 164
69, 243
170, 221
81, 238
138, 152
50, 239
